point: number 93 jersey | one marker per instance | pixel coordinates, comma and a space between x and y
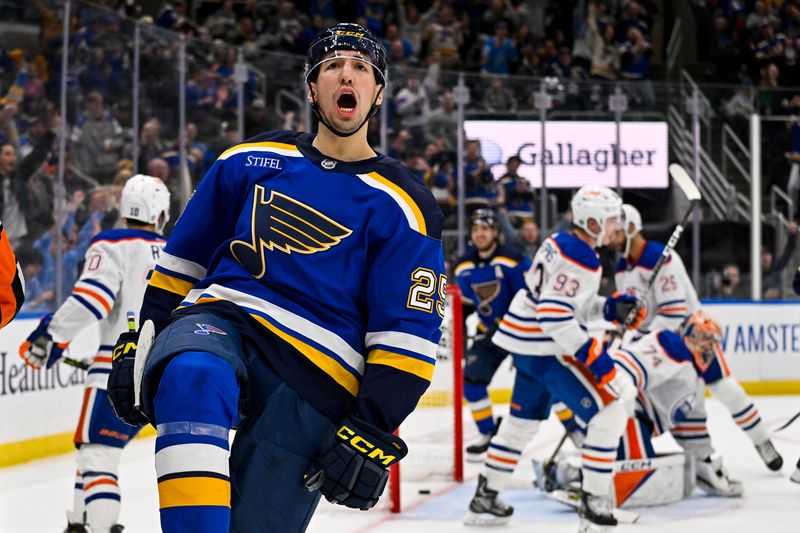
550, 316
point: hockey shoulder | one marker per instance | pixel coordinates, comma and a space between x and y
278, 142
575, 252
408, 195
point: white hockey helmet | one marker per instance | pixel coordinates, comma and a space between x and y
598, 203
144, 198
631, 225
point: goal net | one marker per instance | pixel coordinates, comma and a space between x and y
433, 432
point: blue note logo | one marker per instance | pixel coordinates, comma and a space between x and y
208, 329
281, 223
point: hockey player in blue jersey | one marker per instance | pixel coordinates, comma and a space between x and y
299, 300
489, 276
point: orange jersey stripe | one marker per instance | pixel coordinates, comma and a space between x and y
501, 459
552, 310
746, 420
94, 295
520, 328
598, 459
79, 432
102, 359
102, 481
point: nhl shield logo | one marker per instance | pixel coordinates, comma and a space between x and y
328, 164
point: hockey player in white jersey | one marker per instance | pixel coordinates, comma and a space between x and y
545, 329
117, 265
672, 300
666, 368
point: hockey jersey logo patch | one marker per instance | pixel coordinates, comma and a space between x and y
486, 293
208, 329
287, 225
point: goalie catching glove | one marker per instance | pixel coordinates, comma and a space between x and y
39, 349
619, 305
354, 471
125, 379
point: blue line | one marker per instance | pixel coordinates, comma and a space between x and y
526, 339
562, 319
498, 468
598, 449
88, 306
559, 302
743, 411
99, 286
662, 304
601, 470
99, 371
102, 496
754, 424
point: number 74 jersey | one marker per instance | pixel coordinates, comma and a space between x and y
550, 317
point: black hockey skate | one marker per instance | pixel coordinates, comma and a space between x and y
770, 455
596, 512
486, 508
475, 451
796, 476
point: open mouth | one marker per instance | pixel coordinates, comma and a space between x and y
346, 103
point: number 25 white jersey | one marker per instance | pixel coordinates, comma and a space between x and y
550, 317
672, 297
117, 266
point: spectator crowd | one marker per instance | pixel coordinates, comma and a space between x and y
579, 48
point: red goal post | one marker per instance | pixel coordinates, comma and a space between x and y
434, 431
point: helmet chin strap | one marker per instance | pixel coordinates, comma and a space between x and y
315, 109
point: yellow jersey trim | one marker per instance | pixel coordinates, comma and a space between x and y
405, 363
194, 491
170, 284
415, 210
249, 146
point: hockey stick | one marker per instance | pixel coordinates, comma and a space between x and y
75, 363
788, 422
692, 193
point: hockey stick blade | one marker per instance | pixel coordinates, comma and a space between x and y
570, 499
681, 177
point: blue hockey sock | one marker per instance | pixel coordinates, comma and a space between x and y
480, 404
195, 407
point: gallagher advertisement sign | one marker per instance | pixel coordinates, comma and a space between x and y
577, 153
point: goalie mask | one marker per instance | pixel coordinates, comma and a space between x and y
601, 204
702, 336
631, 225
145, 198
346, 36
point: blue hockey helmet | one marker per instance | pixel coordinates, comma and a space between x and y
347, 36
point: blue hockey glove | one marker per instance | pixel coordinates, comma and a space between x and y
39, 350
121, 383
596, 358
619, 305
354, 471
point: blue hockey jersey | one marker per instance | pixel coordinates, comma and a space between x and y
335, 269
490, 284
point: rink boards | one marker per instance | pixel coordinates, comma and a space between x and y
38, 410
